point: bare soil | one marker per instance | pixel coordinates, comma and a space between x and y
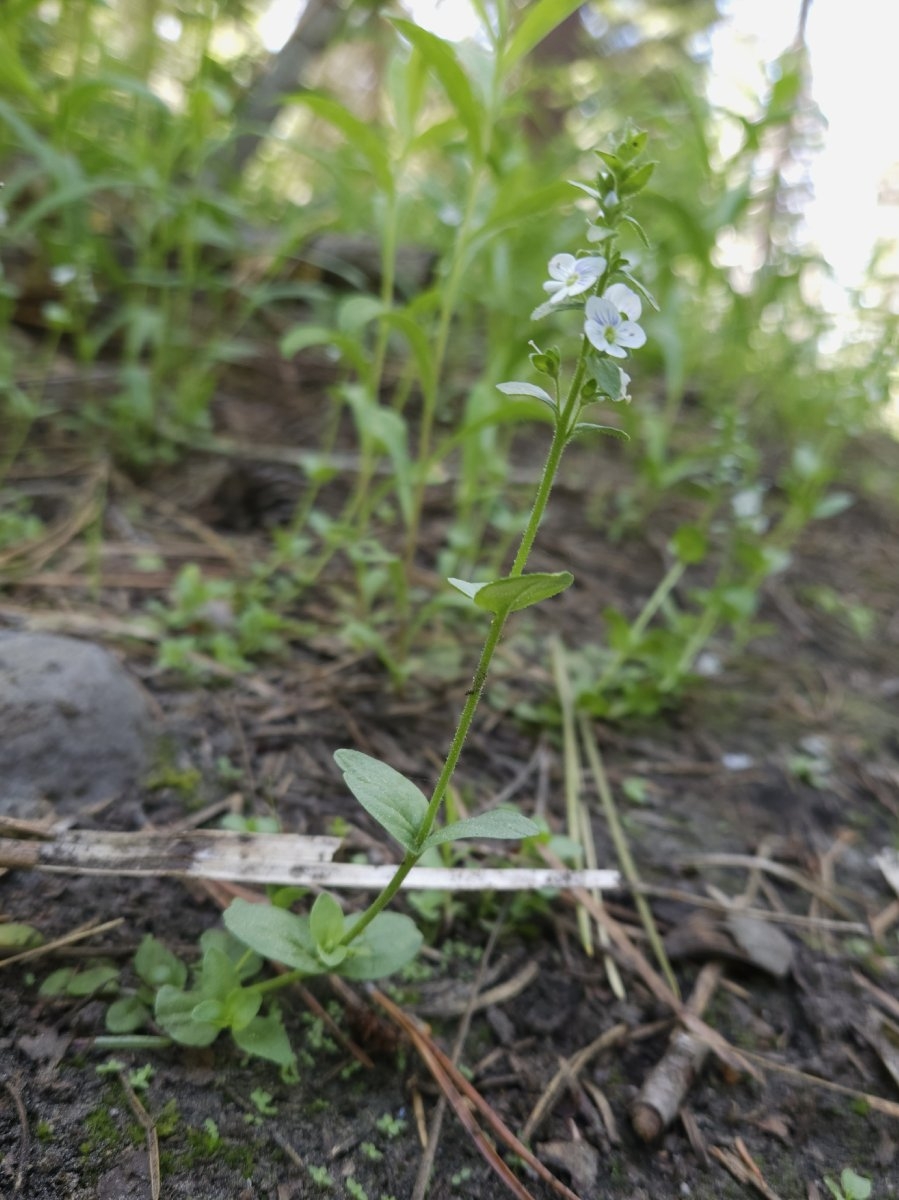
68, 1131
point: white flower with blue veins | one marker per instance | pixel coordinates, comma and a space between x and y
611, 321
570, 276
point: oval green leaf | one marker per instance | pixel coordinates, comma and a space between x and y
273, 933
442, 60
389, 942
393, 800
499, 823
516, 592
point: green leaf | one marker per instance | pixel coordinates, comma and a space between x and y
539, 21
56, 982
156, 964
607, 376
690, 544
515, 592
273, 933
387, 429
637, 227
218, 975
392, 799
14, 936
241, 1006
442, 60
635, 181
360, 134
326, 922
527, 389
856, 1187
94, 979
386, 945
608, 430
210, 1012
498, 823
174, 1013
832, 505
126, 1015
419, 344
356, 312
301, 337
245, 965
632, 146
266, 1037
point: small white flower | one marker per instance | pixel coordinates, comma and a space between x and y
571, 276
610, 323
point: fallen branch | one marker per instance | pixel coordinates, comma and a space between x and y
265, 858
665, 1089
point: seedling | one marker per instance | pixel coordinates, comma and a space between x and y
851, 1186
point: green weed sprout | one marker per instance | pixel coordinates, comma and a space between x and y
608, 299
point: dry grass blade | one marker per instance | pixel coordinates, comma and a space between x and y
475, 1000
77, 935
577, 816
623, 852
449, 1077
149, 1127
567, 1074
889, 1107
632, 957
778, 870
24, 1143
85, 507
743, 1171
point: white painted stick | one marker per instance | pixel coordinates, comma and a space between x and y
265, 858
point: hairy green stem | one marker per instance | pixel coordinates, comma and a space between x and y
561, 438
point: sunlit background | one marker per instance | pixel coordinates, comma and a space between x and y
853, 201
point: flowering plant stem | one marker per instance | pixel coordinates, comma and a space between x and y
561, 437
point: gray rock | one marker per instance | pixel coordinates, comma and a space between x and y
74, 727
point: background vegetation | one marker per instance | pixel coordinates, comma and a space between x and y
180, 203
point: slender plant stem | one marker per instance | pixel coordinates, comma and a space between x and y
561, 438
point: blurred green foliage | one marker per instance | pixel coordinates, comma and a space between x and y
156, 225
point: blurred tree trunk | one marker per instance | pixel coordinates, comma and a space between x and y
321, 22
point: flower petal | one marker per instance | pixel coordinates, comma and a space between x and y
561, 265
630, 335
599, 309
625, 301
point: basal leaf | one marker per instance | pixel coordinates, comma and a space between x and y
173, 1013
389, 942
326, 922
266, 1037
499, 823
273, 933
392, 799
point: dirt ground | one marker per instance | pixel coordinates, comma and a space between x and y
787, 761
